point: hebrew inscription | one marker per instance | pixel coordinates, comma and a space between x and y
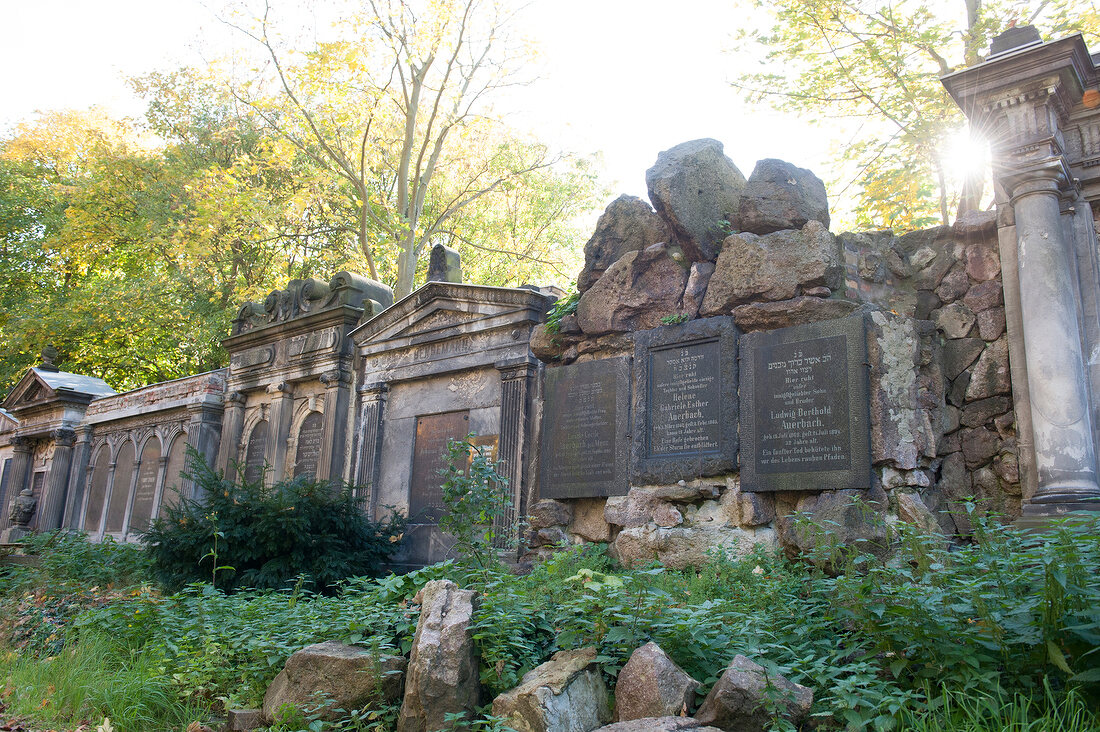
808, 422
685, 400
584, 433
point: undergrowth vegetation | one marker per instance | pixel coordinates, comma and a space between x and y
1002, 634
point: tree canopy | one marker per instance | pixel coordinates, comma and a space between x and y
129, 245
877, 66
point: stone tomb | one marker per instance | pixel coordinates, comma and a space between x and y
685, 401
448, 360
804, 422
585, 418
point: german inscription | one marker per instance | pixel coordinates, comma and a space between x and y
808, 425
685, 400
584, 433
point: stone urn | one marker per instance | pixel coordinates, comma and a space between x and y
22, 508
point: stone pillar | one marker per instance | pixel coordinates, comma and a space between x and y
51, 505
101, 519
162, 478
282, 413
516, 381
334, 445
1065, 455
22, 454
78, 478
204, 435
372, 404
232, 431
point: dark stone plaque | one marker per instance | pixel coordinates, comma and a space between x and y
308, 453
146, 488
685, 401
585, 433
173, 481
805, 425
255, 455
432, 433
97, 492
120, 490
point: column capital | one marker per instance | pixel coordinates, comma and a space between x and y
281, 387
1049, 176
516, 368
22, 444
374, 390
63, 437
336, 378
235, 398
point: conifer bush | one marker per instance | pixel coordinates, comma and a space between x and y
241, 534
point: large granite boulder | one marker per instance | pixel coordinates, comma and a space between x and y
635, 292
780, 196
442, 676
331, 675
680, 547
743, 699
836, 521
652, 685
799, 310
628, 224
695, 188
565, 694
658, 724
773, 267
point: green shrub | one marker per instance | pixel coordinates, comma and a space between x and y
245, 535
70, 559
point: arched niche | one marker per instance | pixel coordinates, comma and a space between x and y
308, 454
97, 490
173, 483
255, 455
145, 490
120, 488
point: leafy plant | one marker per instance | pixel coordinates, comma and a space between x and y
675, 319
565, 306
243, 534
476, 499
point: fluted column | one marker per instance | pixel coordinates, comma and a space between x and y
78, 478
282, 413
232, 431
22, 451
52, 503
1065, 456
516, 377
372, 403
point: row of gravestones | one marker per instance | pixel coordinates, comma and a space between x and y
793, 403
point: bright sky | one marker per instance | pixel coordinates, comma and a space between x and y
626, 77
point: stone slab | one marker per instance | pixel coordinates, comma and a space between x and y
308, 453
425, 490
685, 401
585, 430
805, 421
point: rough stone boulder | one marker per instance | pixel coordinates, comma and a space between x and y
442, 677
652, 685
843, 519
695, 188
741, 699
772, 267
565, 694
628, 224
635, 292
346, 676
780, 196
658, 724
548, 512
785, 313
686, 546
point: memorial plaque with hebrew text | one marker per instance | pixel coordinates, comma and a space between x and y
805, 425
308, 453
255, 455
685, 401
585, 430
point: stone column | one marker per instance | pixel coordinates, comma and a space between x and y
232, 431
334, 445
78, 478
101, 519
162, 478
204, 434
372, 407
282, 413
22, 454
516, 378
52, 502
1065, 456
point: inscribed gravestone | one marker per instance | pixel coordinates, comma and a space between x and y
685, 401
585, 433
146, 487
432, 433
804, 418
93, 514
255, 456
308, 454
120, 490
170, 496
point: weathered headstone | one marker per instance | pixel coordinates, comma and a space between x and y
804, 417
255, 455
432, 433
308, 452
444, 264
585, 422
146, 488
97, 491
120, 490
685, 401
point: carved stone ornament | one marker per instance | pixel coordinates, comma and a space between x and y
22, 508
310, 295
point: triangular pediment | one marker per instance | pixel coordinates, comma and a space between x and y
30, 390
41, 386
444, 310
